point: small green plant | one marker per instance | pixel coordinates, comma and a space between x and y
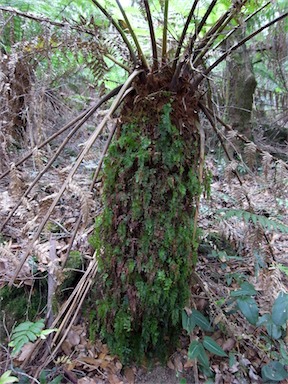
198, 348
27, 332
7, 378
274, 324
46, 377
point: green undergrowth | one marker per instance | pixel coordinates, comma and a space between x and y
144, 236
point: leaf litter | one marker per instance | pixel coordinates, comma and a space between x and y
81, 361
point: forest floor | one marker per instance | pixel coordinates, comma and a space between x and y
232, 250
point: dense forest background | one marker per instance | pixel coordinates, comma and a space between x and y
78, 147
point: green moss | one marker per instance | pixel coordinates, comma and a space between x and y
150, 190
18, 304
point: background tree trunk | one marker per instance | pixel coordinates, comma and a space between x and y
240, 88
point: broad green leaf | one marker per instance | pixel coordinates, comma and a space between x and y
37, 327
46, 332
246, 289
274, 371
7, 378
57, 380
18, 344
202, 357
212, 346
194, 350
273, 330
283, 352
23, 327
249, 308
188, 322
280, 309
201, 321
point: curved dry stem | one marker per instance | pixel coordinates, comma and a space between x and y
80, 158
152, 36
199, 78
119, 29
87, 113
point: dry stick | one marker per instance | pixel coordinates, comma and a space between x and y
199, 78
99, 166
88, 112
82, 289
74, 310
209, 116
152, 36
67, 308
59, 150
83, 153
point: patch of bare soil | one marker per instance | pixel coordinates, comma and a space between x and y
162, 375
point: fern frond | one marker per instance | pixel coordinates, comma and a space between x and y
266, 163
267, 223
250, 150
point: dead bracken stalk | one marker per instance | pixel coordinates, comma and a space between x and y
84, 151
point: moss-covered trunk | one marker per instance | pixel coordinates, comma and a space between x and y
144, 237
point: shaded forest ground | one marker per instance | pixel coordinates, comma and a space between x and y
231, 251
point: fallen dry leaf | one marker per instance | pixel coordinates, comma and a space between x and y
86, 380
113, 379
129, 375
228, 344
25, 351
178, 364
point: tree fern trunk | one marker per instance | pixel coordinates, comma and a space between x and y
145, 234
